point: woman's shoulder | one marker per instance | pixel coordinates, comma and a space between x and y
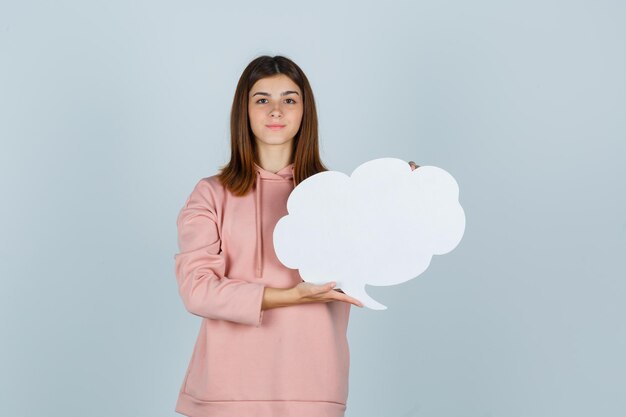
210, 188
211, 181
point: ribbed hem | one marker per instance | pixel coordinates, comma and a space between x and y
193, 407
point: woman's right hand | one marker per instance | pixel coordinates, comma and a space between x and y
307, 292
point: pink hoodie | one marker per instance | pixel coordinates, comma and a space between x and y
247, 362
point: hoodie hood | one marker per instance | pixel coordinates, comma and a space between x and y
284, 174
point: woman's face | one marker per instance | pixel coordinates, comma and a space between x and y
275, 110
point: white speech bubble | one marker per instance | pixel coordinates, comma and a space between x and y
380, 226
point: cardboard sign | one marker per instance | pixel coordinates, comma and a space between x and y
380, 226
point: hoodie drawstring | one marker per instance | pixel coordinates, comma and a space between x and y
258, 215
259, 237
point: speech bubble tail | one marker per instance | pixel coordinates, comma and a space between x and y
360, 294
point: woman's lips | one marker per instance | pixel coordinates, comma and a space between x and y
275, 127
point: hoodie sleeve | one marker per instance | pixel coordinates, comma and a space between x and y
200, 266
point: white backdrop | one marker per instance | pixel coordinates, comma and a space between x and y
111, 111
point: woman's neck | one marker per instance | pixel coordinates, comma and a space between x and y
274, 158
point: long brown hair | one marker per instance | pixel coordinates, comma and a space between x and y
238, 175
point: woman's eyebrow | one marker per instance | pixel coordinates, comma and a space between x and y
284, 93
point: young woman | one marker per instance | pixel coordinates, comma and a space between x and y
253, 356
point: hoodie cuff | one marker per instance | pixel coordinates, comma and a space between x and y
260, 306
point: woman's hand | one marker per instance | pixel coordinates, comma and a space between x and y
306, 292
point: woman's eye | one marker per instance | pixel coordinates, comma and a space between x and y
260, 101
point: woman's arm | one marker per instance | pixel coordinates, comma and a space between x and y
277, 297
304, 292
200, 266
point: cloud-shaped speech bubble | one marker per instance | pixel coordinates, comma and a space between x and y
380, 226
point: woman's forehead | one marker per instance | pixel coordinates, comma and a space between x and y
276, 84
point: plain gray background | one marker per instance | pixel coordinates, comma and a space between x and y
111, 111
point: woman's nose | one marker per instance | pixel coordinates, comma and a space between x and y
276, 111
